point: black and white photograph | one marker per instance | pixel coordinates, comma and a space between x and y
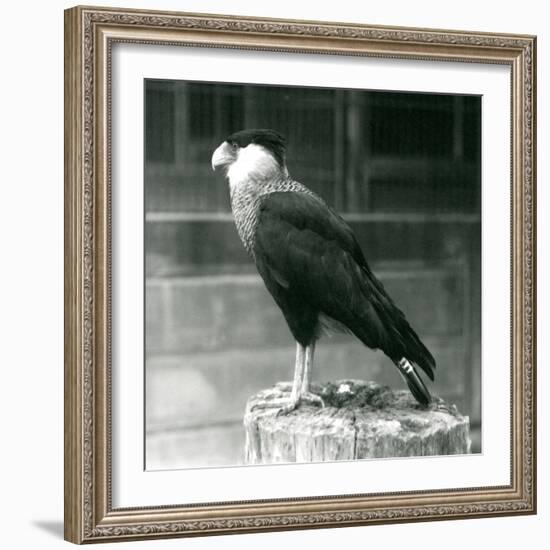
312, 274
300, 265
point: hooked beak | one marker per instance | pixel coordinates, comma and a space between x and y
223, 156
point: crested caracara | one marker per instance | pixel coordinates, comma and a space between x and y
312, 264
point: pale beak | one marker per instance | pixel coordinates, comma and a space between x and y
222, 156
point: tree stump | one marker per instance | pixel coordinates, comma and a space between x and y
360, 420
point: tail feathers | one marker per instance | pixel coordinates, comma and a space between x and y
415, 383
423, 358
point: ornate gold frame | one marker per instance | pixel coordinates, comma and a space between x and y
89, 34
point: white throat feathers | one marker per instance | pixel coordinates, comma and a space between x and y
254, 165
254, 173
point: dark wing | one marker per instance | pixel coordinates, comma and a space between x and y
311, 252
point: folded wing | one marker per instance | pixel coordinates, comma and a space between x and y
304, 249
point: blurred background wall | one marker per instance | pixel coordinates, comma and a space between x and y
403, 169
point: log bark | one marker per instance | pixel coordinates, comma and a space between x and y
360, 420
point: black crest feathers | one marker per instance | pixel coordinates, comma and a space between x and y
270, 139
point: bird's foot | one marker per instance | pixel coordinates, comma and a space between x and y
442, 407
284, 404
312, 399
288, 404
306, 397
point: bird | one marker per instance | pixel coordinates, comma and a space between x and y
312, 265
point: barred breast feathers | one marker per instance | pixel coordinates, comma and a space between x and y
255, 174
245, 202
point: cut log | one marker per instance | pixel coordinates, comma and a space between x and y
360, 420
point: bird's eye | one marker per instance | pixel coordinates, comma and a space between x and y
234, 146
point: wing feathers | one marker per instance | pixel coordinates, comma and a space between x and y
307, 248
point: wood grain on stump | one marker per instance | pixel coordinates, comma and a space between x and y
359, 420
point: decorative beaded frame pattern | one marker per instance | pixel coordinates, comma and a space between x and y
89, 35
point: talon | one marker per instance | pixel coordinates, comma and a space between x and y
287, 409
443, 408
312, 399
288, 404
284, 404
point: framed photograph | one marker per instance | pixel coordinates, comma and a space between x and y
300, 274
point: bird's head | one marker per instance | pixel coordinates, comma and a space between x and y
249, 154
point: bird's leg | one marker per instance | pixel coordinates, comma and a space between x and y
288, 404
300, 385
296, 391
306, 378
307, 395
